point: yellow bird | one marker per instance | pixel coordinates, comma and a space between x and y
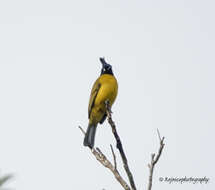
104, 88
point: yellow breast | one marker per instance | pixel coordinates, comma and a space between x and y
108, 91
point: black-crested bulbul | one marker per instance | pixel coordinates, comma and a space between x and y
104, 88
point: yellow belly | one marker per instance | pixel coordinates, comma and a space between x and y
107, 91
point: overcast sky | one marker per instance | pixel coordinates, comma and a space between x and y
162, 54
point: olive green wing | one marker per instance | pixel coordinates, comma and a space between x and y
93, 95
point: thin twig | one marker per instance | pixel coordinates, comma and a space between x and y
159, 136
119, 146
154, 160
4, 179
106, 163
114, 157
82, 130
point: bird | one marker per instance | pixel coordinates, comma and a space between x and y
104, 89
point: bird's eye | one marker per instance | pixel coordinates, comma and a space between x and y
108, 67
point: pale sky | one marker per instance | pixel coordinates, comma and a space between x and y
162, 54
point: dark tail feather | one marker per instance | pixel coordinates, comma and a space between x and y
90, 136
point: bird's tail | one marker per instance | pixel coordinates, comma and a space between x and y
90, 136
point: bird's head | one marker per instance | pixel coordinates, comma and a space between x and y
106, 68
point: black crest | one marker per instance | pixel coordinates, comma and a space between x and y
106, 68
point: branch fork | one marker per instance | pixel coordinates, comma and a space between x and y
106, 163
154, 160
113, 167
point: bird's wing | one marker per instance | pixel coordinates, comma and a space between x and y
93, 95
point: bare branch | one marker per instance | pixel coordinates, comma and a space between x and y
113, 168
154, 160
119, 146
159, 136
82, 130
4, 179
114, 157
159, 151
106, 163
